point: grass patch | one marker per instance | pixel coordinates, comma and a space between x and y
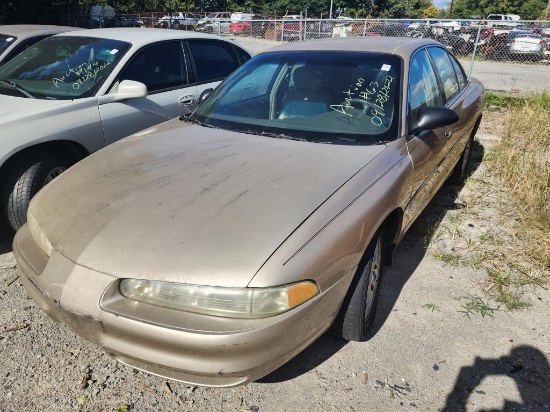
514, 251
504, 226
497, 99
522, 162
450, 259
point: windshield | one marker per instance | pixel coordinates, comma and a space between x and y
65, 67
6, 41
327, 96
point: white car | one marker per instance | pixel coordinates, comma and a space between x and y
76, 92
525, 44
18, 37
217, 23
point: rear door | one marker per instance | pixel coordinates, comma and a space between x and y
213, 61
437, 79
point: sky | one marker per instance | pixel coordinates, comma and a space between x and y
441, 4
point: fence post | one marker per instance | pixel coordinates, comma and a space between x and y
474, 52
365, 28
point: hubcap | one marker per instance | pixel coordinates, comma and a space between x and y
373, 277
56, 171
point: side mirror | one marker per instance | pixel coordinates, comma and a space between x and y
430, 118
127, 89
205, 94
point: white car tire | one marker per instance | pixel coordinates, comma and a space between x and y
25, 180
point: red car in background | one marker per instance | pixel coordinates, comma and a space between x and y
256, 26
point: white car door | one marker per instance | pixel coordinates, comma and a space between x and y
162, 67
175, 73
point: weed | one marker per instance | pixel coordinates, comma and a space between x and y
431, 306
123, 408
451, 259
82, 400
503, 290
473, 305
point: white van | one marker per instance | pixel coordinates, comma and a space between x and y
511, 20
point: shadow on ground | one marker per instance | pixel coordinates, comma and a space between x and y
526, 365
6, 238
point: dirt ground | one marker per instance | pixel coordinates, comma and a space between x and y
439, 343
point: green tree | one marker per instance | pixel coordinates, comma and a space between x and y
430, 12
533, 9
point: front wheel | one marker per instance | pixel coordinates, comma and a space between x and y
358, 311
25, 180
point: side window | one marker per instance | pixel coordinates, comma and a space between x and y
423, 88
160, 66
243, 54
446, 71
213, 59
459, 73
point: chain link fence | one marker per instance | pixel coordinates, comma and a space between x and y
508, 55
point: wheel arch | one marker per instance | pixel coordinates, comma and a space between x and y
392, 225
73, 150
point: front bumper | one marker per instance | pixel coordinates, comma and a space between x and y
195, 349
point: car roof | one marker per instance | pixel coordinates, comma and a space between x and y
403, 46
31, 30
141, 36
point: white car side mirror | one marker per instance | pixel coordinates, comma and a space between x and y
127, 89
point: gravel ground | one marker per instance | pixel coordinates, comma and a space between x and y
425, 353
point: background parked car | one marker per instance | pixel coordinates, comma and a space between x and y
256, 25
180, 20
125, 21
217, 23
526, 44
74, 93
16, 38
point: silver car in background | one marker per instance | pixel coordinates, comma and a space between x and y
76, 92
525, 43
19, 37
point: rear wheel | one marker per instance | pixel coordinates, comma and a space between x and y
461, 168
25, 180
359, 309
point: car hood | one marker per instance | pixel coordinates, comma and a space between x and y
18, 108
191, 204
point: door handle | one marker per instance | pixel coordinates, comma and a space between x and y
448, 132
188, 100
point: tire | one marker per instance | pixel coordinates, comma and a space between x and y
461, 168
359, 308
25, 180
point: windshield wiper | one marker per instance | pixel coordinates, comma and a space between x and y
19, 88
275, 135
186, 118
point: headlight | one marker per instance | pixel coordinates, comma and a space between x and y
37, 233
219, 301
